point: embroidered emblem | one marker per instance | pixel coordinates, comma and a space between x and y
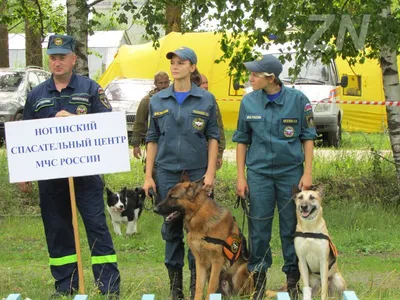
307, 107
198, 124
160, 113
310, 120
81, 110
58, 41
288, 131
103, 98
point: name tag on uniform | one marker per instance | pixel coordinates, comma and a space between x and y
290, 120
254, 117
79, 99
200, 113
161, 113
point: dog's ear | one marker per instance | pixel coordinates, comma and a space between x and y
194, 187
319, 189
109, 193
185, 176
295, 190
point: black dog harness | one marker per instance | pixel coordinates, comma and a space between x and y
233, 246
332, 247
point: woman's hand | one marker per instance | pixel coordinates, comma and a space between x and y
25, 187
241, 187
305, 182
149, 184
208, 182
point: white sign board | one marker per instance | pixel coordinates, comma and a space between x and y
67, 146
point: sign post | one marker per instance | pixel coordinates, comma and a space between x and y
67, 147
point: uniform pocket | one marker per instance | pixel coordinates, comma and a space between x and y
162, 117
289, 128
198, 121
79, 105
44, 108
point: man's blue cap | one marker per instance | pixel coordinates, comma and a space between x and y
267, 64
60, 44
184, 53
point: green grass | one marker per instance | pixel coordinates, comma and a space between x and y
350, 140
360, 206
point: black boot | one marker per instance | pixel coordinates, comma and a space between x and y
192, 282
293, 287
260, 280
175, 279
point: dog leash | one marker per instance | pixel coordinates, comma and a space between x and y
152, 195
244, 203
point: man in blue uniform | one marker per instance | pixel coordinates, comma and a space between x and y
275, 134
67, 94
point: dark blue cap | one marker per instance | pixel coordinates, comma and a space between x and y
60, 44
184, 53
267, 64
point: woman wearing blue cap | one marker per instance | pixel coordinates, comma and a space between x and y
275, 134
183, 120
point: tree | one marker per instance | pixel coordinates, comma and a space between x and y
4, 58
33, 36
376, 34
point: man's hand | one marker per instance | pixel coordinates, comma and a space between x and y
208, 182
25, 187
137, 153
63, 113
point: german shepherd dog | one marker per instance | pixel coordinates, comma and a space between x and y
213, 237
316, 253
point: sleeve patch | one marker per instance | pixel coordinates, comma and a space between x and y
307, 107
310, 120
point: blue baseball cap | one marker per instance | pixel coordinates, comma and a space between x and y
184, 53
267, 64
60, 44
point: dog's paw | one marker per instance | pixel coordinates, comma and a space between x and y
307, 291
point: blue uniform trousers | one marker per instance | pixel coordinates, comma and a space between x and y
57, 220
265, 193
172, 233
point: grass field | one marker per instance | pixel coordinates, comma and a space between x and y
361, 209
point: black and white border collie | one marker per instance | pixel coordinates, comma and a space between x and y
125, 206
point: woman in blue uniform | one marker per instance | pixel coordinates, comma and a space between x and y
275, 134
183, 120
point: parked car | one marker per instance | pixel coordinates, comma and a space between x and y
125, 94
15, 84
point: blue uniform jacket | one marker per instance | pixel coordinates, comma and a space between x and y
81, 96
274, 131
182, 131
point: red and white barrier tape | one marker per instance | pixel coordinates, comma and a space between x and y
387, 103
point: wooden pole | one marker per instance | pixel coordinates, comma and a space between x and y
76, 235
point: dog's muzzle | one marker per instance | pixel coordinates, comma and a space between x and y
306, 210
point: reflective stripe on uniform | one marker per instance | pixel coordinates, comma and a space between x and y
104, 259
60, 261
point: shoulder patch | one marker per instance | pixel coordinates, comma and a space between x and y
310, 120
103, 98
308, 107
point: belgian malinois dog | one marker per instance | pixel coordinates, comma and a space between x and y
316, 253
213, 236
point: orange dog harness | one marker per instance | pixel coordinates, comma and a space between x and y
232, 246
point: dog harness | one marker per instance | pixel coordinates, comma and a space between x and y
333, 250
232, 246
